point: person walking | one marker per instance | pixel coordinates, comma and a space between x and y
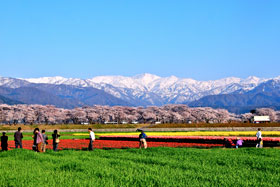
259, 139
56, 140
18, 138
91, 139
45, 142
142, 140
4, 142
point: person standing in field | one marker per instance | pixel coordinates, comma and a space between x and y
4, 142
18, 138
259, 138
45, 142
91, 139
56, 140
38, 140
34, 140
142, 140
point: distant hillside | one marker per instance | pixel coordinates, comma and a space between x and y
265, 95
85, 95
29, 95
62, 96
5, 100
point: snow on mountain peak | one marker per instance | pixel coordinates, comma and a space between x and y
252, 80
47, 80
146, 76
277, 78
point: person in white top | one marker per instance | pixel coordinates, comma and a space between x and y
259, 138
91, 139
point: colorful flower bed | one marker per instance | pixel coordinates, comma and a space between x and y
248, 141
189, 138
131, 141
193, 133
103, 144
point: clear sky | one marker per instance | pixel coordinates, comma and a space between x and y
199, 39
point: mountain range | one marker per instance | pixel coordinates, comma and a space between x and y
235, 94
265, 95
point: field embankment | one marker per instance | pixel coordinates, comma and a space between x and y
149, 127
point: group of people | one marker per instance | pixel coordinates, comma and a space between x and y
228, 143
40, 140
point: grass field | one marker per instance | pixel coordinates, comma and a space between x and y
134, 167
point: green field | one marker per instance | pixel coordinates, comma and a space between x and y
134, 167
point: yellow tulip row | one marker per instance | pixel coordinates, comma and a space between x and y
193, 133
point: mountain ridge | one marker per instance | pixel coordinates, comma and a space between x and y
139, 90
165, 89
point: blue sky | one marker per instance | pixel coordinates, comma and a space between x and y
204, 40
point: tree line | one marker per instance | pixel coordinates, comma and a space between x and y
41, 114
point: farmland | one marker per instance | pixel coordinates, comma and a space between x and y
115, 160
77, 140
134, 167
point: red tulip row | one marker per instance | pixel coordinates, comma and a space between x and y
101, 144
217, 138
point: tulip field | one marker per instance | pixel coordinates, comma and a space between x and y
108, 140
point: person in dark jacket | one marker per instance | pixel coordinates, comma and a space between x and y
18, 138
34, 146
142, 140
4, 142
55, 137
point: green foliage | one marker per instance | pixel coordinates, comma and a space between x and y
134, 167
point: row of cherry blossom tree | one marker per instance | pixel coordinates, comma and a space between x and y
39, 114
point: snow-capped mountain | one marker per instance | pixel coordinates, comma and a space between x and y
147, 89
156, 90
12, 82
265, 95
